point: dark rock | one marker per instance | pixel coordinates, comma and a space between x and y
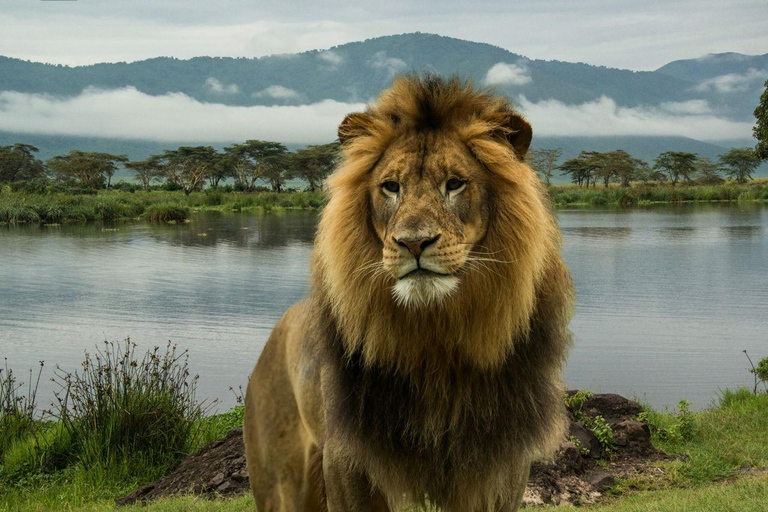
568, 457
587, 439
600, 479
633, 436
614, 408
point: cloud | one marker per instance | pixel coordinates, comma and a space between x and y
129, 114
507, 74
603, 117
331, 57
733, 82
393, 65
216, 87
277, 92
687, 107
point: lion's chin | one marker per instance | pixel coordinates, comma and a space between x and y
420, 290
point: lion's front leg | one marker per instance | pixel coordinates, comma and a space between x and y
347, 488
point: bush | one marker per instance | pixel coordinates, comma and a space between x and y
166, 212
125, 411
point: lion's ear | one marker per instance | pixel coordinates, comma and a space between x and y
519, 135
353, 126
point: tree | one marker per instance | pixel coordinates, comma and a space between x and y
189, 166
760, 130
223, 168
315, 163
740, 163
147, 170
18, 163
707, 171
580, 169
621, 165
544, 161
676, 164
88, 169
250, 161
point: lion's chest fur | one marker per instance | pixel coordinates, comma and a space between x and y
437, 431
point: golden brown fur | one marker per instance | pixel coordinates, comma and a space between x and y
448, 386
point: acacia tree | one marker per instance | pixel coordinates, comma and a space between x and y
250, 161
623, 166
188, 166
707, 171
760, 130
740, 163
315, 163
544, 161
677, 164
147, 170
18, 163
88, 169
579, 168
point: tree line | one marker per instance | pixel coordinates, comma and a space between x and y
187, 168
672, 167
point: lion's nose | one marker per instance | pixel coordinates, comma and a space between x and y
416, 245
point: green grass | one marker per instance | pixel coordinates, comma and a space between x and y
155, 206
570, 195
728, 436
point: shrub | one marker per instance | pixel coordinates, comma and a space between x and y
166, 212
676, 429
125, 411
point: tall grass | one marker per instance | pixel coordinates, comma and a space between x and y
123, 413
166, 212
17, 410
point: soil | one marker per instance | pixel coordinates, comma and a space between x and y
579, 474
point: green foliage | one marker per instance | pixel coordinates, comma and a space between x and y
17, 410
740, 163
760, 130
122, 410
575, 402
675, 428
604, 434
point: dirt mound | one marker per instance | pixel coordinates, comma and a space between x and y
217, 469
574, 476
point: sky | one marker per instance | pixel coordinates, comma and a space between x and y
623, 33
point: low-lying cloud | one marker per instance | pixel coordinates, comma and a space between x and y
331, 57
507, 74
277, 92
392, 65
129, 114
734, 82
216, 87
603, 117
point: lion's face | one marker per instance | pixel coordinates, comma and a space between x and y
430, 208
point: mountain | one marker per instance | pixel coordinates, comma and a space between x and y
351, 72
723, 86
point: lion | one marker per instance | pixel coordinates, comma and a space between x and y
424, 368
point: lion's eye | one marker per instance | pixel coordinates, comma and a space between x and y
391, 186
454, 184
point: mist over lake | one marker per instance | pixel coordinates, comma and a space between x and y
667, 297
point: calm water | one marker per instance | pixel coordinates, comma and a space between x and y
667, 297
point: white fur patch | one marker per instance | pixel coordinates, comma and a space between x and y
423, 290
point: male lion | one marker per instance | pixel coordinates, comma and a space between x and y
425, 365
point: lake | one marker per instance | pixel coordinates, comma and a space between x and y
668, 296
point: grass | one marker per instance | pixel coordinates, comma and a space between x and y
639, 194
154, 206
718, 444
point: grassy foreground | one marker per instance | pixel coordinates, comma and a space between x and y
725, 468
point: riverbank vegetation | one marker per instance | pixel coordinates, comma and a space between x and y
78, 187
126, 418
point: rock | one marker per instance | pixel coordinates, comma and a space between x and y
633, 436
614, 408
600, 479
586, 438
568, 457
